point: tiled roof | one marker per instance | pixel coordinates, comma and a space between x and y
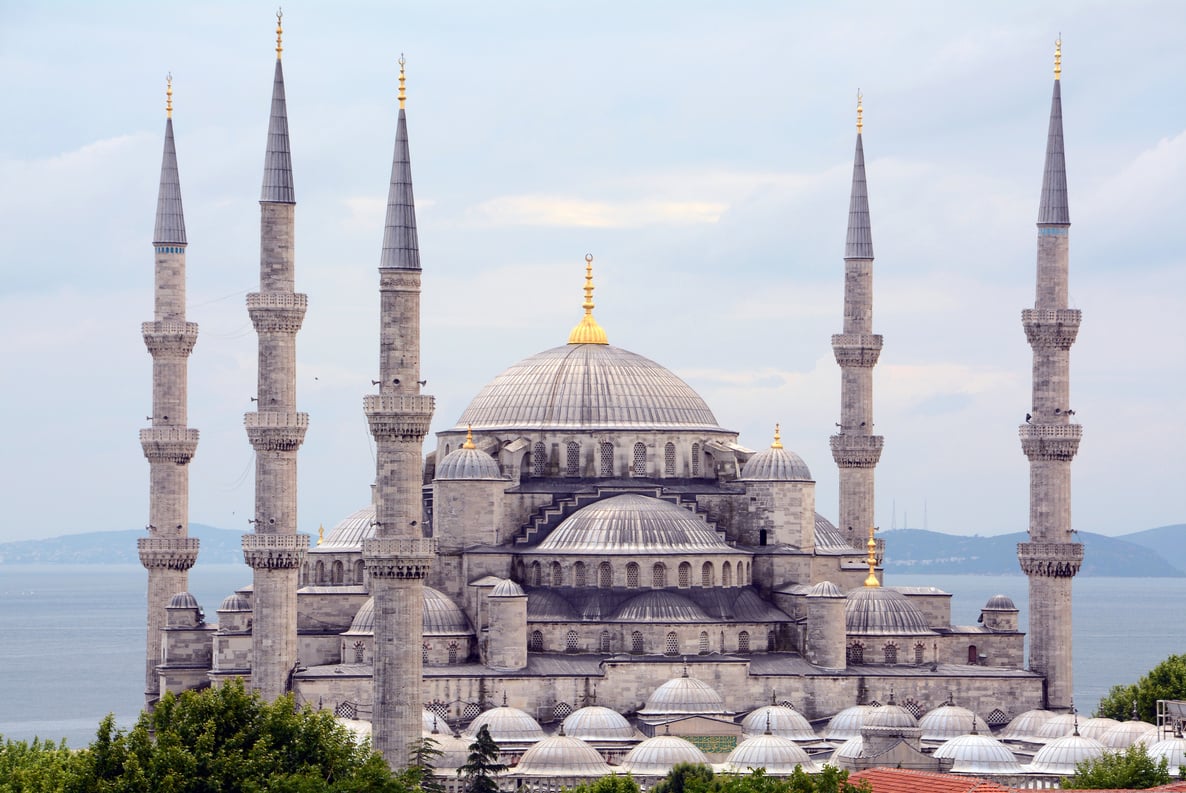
896, 780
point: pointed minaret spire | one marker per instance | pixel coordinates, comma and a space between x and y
401, 246
277, 187
1053, 208
859, 244
170, 220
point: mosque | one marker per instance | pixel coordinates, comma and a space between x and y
587, 546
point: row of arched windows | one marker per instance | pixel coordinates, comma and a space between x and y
333, 574
638, 643
454, 652
605, 459
553, 575
889, 653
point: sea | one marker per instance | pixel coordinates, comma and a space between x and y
72, 636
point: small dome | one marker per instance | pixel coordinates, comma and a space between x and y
633, 524
851, 749
596, 723
454, 751
847, 723
776, 464
543, 604
234, 602
1058, 726
506, 724
660, 606
506, 588
774, 753
430, 721
1173, 750
1096, 727
359, 729
441, 616
878, 611
1000, 603
684, 695
183, 600
950, 721
562, 755
1126, 733
825, 589
1025, 726
890, 716
1061, 755
978, 754
468, 463
782, 721
656, 756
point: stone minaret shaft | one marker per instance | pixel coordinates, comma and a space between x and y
399, 557
855, 448
275, 551
1050, 559
169, 444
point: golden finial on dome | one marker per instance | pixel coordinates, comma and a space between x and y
587, 330
321, 534
860, 111
169, 95
1058, 57
872, 581
469, 437
403, 94
777, 437
279, 32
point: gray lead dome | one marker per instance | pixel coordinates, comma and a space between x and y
776, 464
466, 463
633, 524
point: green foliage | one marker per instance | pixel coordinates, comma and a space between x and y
688, 778
481, 765
37, 767
1132, 768
1167, 680
615, 783
419, 773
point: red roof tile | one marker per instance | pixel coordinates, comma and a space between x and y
897, 780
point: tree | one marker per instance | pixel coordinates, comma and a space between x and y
419, 773
1167, 680
1132, 768
615, 783
37, 767
481, 765
688, 778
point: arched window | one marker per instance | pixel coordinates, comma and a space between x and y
336, 572
706, 575
452, 652
359, 652
695, 459
572, 460
536, 645
659, 575
320, 571
640, 459
536, 574
671, 645
305, 574
557, 574
973, 657
539, 458
891, 653
771, 641
636, 645
570, 642
603, 642
919, 653
704, 642
762, 537
632, 576
743, 642
360, 572
685, 575
669, 460
606, 452
726, 575
424, 653
856, 653
578, 574
605, 575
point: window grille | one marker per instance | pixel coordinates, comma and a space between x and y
916, 709
695, 459
659, 576
571, 642
856, 653
539, 458
743, 642
346, 710
359, 652
603, 642
537, 642
671, 646
440, 710
607, 459
706, 576
605, 575
771, 641
640, 459
536, 574
669, 460
891, 653
632, 576
919, 653
578, 574
704, 642
997, 717
561, 711
685, 575
452, 652
636, 645
557, 574
471, 712
573, 461
337, 572
424, 653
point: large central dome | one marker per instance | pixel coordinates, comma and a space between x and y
587, 387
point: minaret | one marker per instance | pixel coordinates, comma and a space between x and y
169, 444
1050, 559
855, 448
398, 557
275, 551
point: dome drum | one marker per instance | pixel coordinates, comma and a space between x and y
578, 575
673, 640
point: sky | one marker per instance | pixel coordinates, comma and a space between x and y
702, 152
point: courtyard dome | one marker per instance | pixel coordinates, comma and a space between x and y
595, 723
1026, 726
1096, 727
183, 600
684, 695
1058, 726
633, 524
587, 387
1126, 733
506, 588
978, 754
851, 749
890, 715
781, 720
656, 756
1173, 750
847, 723
454, 751
506, 724
878, 611
468, 462
776, 464
234, 602
1000, 603
1061, 755
774, 753
441, 616
660, 606
562, 755
950, 721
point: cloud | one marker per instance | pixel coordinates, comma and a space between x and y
558, 211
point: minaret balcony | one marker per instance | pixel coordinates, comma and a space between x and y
1050, 559
859, 350
1057, 442
169, 337
1051, 328
168, 553
857, 451
169, 444
398, 557
398, 416
277, 312
274, 551
273, 431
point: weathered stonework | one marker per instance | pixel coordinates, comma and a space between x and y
167, 553
274, 551
1050, 559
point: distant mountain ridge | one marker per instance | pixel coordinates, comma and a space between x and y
218, 546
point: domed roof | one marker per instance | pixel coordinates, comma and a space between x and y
825, 589
781, 720
506, 724
1058, 726
660, 606
950, 721
1000, 603
597, 723
684, 695
851, 749
1096, 727
562, 755
774, 753
978, 754
1061, 755
183, 600
588, 387
632, 523
1174, 750
890, 716
506, 588
234, 602
430, 720
351, 530
875, 610
454, 751
441, 616
656, 756
544, 604
847, 723
1025, 726
777, 464
828, 537
467, 462
1126, 733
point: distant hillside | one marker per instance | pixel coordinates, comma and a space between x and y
920, 551
218, 546
1169, 542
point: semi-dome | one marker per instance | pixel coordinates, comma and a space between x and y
774, 753
235, 602
1026, 726
825, 589
660, 606
1061, 755
950, 721
506, 588
1126, 733
1096, 727
847, 723
587, 387
890, 715
468, 462
441, 616
978, 754
183, 600
877, 611
1173, 750
543, 604
562, 755
656, 756
633, 524
776, 464
506, 724
780, 720
1000, 603
597, 723
683, 695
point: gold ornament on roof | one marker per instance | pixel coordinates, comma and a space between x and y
872, 581
587, 330
279, 32
321, 534
469, 437
860, 111
1058, 57
169, 95
403, 94
777, 437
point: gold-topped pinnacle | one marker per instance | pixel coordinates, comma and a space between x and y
469, 437
587, 330
860, 111
279, 32
777, 437
403, 94
872, 581
321, 534
169, 95
1058, 57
